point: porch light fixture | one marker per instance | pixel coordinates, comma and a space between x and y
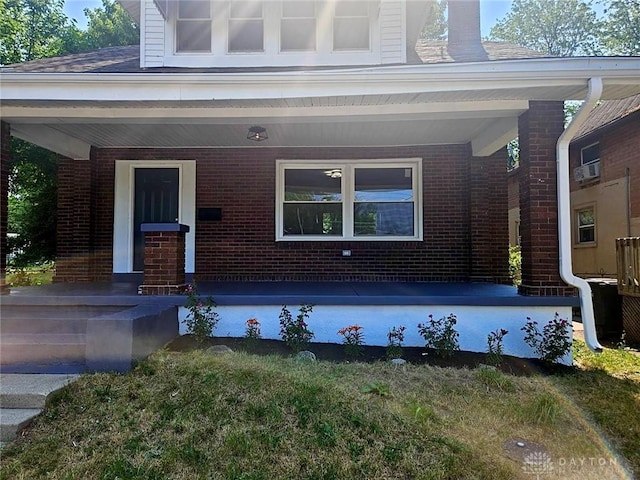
257, 134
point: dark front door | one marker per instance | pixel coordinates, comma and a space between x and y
156, 201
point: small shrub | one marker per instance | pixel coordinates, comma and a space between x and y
353, 340
552, 343
441, 335
515, 265
295, 333
495, 348
394, 346
252, 331
202, 318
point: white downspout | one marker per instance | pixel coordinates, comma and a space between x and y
564, 213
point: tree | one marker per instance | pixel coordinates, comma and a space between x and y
560, 28
436, 28
621, 34
110, 26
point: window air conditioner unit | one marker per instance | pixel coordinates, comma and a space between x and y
587, 172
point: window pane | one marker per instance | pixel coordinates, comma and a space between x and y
298, 34
350, 33
591, 154
298, 9
586, 217
246, 9
587, 234
313, 185
383, 184
380, 219
193, 36
352, 9
246, 35
312, 219
194, 9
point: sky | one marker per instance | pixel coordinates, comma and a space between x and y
490, 11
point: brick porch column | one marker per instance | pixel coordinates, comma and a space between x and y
539, 129
5, 158
73, 247
489, 218
164, 258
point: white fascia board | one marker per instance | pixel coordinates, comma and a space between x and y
164, 115
497, 75
53, 140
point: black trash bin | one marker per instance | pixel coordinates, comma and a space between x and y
607, 307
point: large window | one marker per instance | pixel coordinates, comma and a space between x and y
351, 25
298, 26
586, 225
332, 200
246, 26
193, 26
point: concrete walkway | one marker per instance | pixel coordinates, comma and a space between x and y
22, 397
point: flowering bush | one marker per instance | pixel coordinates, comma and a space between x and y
252, 331
352, 340
394, 346
440, 335
494, 346
201, 319
295, 333
554, 341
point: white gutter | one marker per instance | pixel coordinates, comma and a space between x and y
564, 213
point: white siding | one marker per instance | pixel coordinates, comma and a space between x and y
152, 35
393, 36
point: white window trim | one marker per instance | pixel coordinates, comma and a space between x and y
582, 162
577, 210
123, 209
348, 167
187, 20
271, 56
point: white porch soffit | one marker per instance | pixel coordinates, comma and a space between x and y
477, 103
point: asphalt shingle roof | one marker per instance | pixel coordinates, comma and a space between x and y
607, 113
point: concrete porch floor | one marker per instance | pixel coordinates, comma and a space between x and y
278, 293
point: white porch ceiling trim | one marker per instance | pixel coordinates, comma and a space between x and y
498, 75
52, 139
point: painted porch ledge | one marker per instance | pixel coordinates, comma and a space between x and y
292, 293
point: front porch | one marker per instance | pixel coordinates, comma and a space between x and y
114, 341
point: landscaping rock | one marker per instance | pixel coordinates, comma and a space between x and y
398, 361
219, 349
306, 355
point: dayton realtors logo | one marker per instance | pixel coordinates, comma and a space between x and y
538, 464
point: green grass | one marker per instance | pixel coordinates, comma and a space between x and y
29, 276
239, 416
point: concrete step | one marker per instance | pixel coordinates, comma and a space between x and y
22, 397
12, 420
41, 350
14, 325
47, 312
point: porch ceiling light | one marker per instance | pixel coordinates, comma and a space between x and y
257, 133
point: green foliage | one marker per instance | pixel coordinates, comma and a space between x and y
395, 338
494, 346
109, 26
542, 409
202, 318
376, 388
622, 27
296, 333
552, 343
515, 264
353, 340
32, 204
441, 335
561, 28
436, 28
29, 276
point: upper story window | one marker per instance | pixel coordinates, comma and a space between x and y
193, 26
364, 200
590, 154
298, 26
351, 26
246, 26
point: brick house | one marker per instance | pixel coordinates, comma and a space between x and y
295, 150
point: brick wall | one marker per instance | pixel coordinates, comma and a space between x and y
488, 218
242, 247
5, 158
619, 149
539, 129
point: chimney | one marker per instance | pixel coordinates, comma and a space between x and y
465, 44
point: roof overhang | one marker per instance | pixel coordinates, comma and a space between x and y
476, 103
